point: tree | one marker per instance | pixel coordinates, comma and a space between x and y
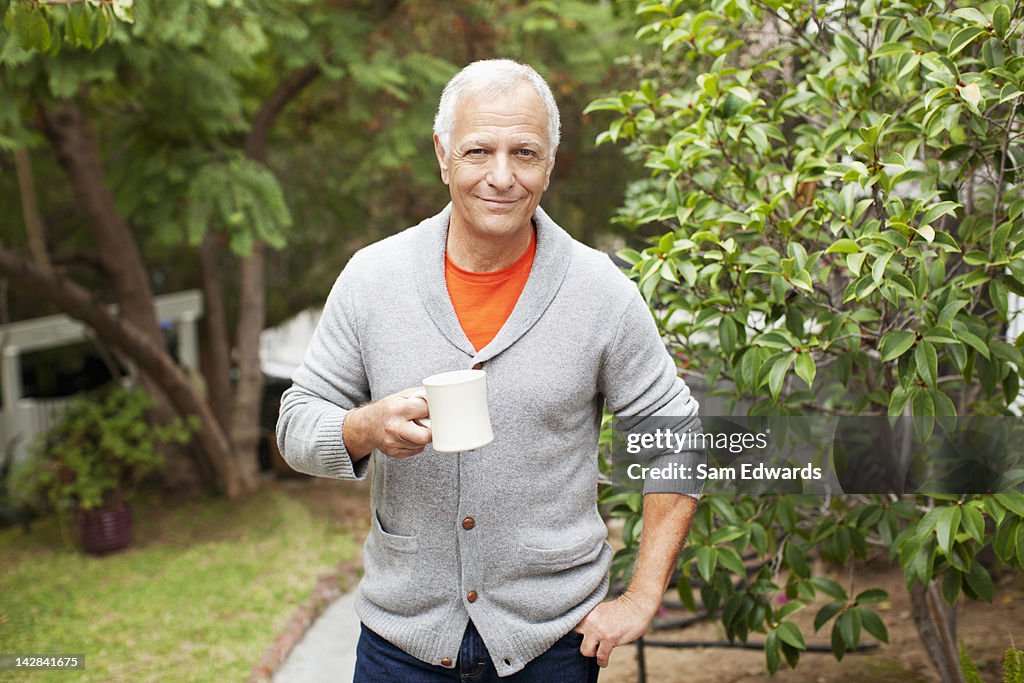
165, 128
182, 94
836, 213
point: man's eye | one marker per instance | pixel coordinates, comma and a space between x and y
476, 151
526, 152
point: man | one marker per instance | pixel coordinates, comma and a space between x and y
491, 562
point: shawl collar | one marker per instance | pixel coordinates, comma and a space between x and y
550, 264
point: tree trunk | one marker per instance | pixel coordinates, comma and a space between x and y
35, 231
245, 422
217, 349
78, 151
936, 624
151, 356
245, 416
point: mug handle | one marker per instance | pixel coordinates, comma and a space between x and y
423, 421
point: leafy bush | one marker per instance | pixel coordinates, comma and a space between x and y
834, 215
102, 445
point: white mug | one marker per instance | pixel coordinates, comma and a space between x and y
457, 402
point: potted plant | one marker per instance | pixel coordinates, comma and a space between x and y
102, 445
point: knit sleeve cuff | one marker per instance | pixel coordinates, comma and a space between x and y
334, 455
678, 462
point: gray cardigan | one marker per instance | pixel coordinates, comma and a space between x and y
536, 558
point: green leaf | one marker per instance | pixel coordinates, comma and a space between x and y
32, 30
890, 49
797, 560
731, 560
972, 340
707, 558
951, 582
947, 526
923, 411
843, 246
790, 633
980, 581
805, 368
895, 343
1005, 542
727, 334
827, 612
849, 624
1013, 502
971, 14
927, 362
936, 210
1001, 20
872, 596
973, 522
778, 373
849, 47
838, 647
771, 652
898, 401
829, 587
1020, 545
925, 231
874, 625
878, 269
855, 261
962, 39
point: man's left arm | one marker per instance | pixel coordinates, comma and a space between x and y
667, 518
638, 380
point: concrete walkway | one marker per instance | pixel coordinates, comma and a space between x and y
328, 650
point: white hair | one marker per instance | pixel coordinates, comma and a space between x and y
493, 77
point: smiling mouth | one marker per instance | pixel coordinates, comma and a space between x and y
499, 201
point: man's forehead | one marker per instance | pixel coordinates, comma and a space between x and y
521, 109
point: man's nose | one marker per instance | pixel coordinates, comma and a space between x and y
501, 174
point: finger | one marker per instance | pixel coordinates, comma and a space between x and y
604, 653
589, 646
414, 405
401, 452
412, 435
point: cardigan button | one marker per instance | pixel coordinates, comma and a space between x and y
446, 662
478, 366
468, 523
472, 596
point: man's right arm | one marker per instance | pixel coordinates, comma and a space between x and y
388, 425
330, 388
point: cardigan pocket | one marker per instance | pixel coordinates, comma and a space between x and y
388, 562
392, 542
584, 551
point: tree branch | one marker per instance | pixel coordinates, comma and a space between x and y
35, 230
285, 92
79, 303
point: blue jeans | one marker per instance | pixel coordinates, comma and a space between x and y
378, 661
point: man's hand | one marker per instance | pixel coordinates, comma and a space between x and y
667, 519
615, 623
388, 425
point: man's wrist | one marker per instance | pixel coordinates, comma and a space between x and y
357, 432
647, 601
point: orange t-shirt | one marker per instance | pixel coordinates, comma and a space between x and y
483, 301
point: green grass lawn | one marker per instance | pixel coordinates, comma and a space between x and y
199, 597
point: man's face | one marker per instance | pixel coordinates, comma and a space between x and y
499, 163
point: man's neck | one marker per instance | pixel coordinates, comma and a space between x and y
486, 255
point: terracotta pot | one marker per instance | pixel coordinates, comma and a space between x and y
105, 529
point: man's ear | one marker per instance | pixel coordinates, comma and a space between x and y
442, 158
